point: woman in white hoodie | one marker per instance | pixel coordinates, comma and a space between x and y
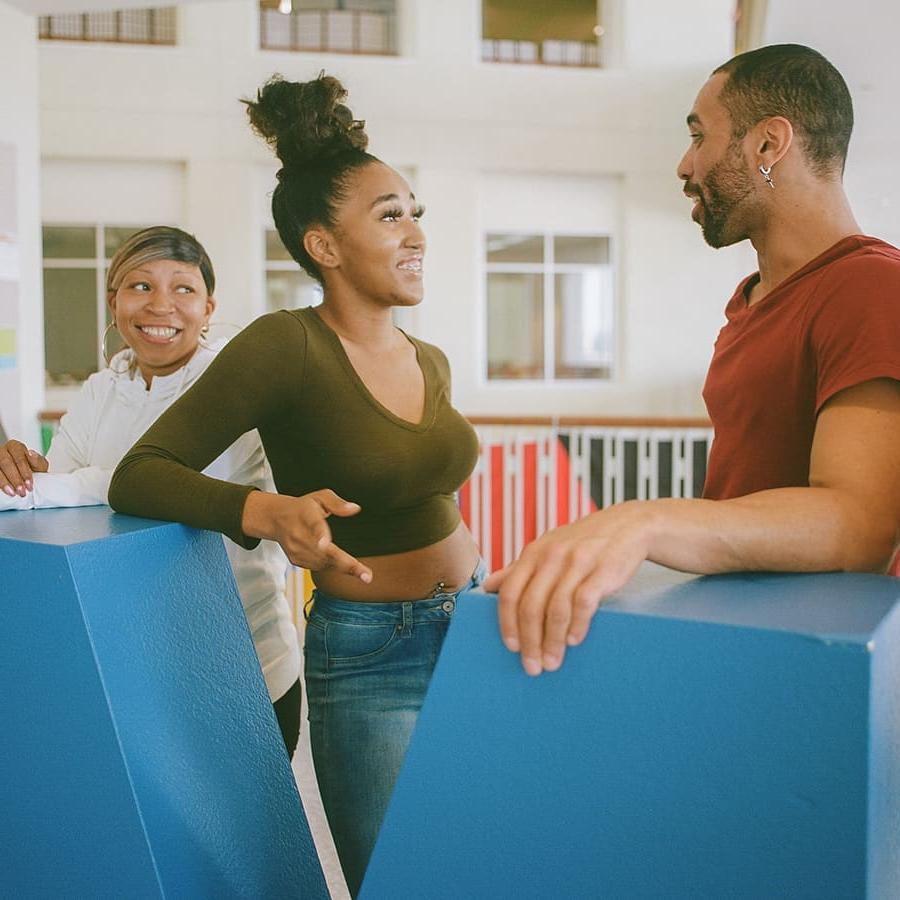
160, 290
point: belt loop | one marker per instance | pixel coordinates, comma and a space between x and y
406, 627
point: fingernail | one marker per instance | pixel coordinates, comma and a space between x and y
511, 644
573, 640
551, 662
532, 666
9, 491
20, 490
33, 453
28, 484
366, 577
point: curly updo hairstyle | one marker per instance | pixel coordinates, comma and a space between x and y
319, 144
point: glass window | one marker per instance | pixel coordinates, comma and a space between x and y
583, 325
75, 310
515, 325
335, 26
70, 243
523, 31
515, 248
121, 26
550, 307
70, 324
579, 249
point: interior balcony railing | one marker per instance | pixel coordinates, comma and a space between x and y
535, 474
585, 54
328, 31
121, 26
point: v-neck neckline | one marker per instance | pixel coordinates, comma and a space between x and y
428, 407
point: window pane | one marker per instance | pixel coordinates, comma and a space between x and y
275, 30
164, 25
100, 26
113, 238
70, 324
515, 248
571, 249
63, 242
291, 290
274, 247
515, 326
135, 25
583, 320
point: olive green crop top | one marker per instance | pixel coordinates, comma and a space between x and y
288, 375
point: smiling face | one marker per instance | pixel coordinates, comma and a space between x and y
377, 241
716, 173
160, 309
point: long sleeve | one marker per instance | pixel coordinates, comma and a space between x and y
83, 487
70, 448
252, 383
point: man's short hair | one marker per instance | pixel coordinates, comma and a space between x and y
798, 83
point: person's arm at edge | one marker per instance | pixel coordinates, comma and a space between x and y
83, 487
848, 519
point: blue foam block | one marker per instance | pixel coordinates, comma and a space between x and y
141, 756
732, 736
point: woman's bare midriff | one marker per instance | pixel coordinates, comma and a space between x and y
413, 575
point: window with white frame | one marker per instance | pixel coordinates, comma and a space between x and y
533, 32
333, 26
119, 26
76, 314
550, 306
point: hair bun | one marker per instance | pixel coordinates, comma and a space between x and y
306, 122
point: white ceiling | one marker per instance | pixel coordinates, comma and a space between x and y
44, 7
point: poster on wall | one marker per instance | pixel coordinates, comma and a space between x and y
10, 275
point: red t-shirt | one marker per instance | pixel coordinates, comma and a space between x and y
833, 324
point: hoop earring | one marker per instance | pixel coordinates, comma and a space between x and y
767, 174
203, 340
106, 357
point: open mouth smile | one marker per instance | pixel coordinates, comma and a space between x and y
159, 333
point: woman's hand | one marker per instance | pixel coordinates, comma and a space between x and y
299, 525
17, 463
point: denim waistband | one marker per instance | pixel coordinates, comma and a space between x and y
439, 604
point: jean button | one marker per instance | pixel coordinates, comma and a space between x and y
448, 606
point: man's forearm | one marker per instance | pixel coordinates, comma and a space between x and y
785, 529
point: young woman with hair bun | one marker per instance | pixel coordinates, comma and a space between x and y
366, 450
160, 286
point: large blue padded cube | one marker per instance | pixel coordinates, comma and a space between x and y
721, 737
141, 756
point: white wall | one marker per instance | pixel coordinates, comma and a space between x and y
871, 68
24, 394
454, 121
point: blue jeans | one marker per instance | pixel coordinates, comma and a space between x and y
367, 669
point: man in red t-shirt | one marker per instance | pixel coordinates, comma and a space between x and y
804, 386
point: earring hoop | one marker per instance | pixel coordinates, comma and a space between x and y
106, 355
767, 174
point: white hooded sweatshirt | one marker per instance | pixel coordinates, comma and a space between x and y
109, 414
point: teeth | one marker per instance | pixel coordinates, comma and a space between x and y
158, 331
414, 265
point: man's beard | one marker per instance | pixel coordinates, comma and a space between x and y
725, 187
